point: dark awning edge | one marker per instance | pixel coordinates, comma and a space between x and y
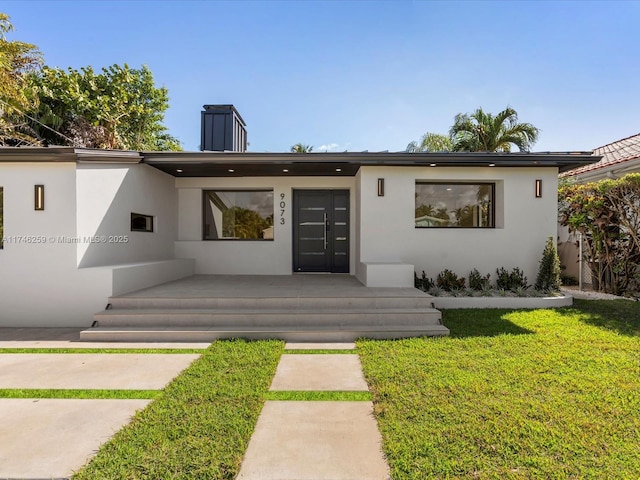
348, 163
305, 164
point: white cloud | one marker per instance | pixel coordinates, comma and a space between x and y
333, 147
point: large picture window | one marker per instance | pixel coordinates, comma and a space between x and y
238, 215
454, 205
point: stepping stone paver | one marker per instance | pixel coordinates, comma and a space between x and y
121, 371
315, 441
51, 438
327, 372
320, 346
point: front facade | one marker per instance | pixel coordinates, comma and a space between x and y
81, 225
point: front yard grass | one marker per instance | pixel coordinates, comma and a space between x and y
200, 426
532, 394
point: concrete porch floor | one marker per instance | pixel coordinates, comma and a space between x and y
286, 286
307, 308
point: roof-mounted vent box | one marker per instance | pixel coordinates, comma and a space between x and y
223, 129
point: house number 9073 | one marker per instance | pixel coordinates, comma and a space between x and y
282, 207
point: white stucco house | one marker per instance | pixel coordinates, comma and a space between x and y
80, 225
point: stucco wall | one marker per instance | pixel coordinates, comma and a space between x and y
237, 257
40, 284
523, 222
43, 279
106, 197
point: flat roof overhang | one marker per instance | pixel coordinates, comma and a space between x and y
67, 154
234, 164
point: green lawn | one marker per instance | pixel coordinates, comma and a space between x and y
200, 426
544, 394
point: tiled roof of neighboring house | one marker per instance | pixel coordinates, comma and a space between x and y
614, 153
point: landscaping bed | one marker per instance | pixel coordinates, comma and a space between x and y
502, 301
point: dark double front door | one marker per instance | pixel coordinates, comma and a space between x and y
321, 231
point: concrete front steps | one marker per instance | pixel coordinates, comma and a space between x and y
300, 319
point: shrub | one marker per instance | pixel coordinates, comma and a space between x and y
435, 291
423, 283
548, 279
510, 280
569, 280
449, 281
477, 281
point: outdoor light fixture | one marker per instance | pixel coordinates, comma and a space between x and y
433, 164
231, 170
538, 188
381, 187
38, 197
338, 169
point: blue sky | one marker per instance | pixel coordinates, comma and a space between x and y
363, 75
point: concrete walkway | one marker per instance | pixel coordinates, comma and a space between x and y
52, 438
70, 338
316, 440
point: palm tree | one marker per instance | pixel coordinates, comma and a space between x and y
483, 132
431, 142
442, 213
301, 148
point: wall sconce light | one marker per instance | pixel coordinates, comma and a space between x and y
38, 197
381, 187
538, 188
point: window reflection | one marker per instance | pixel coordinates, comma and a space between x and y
466, 205
238, 215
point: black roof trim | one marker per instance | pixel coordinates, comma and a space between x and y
272, 164
326, 161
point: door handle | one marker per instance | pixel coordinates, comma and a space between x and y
325, 231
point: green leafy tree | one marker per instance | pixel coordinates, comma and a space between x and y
238, 222
442, 213
607, 214
548, 279
484, 132
301, 148
118, 108
17, 61
425, 210
431, 142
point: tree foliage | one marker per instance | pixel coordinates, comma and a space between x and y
548, 279
301, 148
607, 214
117, 108
484, 132
480, 132
238, 222
17, 61
431, 142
